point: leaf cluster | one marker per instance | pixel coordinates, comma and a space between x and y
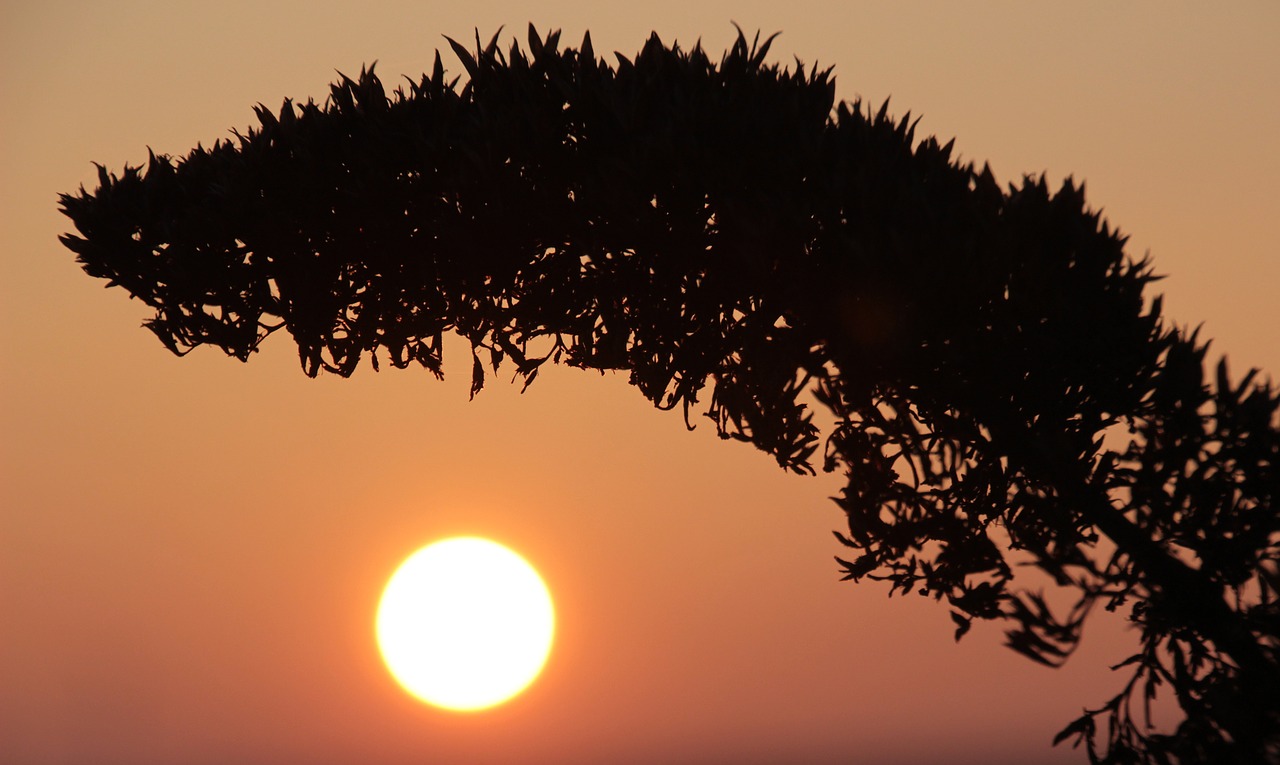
727, 231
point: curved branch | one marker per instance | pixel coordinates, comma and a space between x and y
727, 224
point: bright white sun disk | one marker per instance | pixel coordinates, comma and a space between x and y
465, 624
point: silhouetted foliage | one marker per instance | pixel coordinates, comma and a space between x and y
693, 223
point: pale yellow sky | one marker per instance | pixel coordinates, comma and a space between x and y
191, 549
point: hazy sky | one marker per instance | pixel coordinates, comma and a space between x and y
191, 550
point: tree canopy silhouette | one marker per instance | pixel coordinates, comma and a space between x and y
1004, 392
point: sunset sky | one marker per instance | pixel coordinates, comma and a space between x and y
192, 550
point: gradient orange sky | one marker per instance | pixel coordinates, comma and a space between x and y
191, 550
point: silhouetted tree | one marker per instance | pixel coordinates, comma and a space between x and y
1003, 390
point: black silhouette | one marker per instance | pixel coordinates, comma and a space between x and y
694, 222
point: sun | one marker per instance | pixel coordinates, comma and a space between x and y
465, 624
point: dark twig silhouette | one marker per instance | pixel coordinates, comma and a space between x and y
693, 223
